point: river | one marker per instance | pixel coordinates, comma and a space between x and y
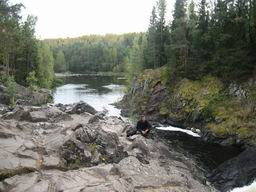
98, 91
101, 91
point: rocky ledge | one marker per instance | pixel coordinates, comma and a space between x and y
75, 148
25, 96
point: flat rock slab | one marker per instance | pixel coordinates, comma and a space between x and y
46, 149
38, 116
131, 176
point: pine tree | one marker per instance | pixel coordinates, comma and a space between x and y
179, 41
162, 33
192, 37
152, 54
203, 44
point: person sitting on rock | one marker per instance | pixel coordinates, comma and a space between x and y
143, 127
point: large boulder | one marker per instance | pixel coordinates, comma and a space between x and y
92, 146
27, 97
19, 113
80, 108
37, 116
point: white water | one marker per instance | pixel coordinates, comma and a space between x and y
170, 128
250, 188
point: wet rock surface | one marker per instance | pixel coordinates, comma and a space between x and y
236, 172
50, 149
79, 108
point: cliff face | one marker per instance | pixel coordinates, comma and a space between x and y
225, 113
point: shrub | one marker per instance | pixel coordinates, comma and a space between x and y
4, 79
32, 81
11, 90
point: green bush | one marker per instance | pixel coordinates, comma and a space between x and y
11, 90
57, 82
4, 79
32, 81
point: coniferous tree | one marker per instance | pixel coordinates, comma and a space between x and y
203, 45
152, 32
179, 41
19, 49
162, 34
192, 37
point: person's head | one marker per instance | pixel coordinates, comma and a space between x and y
143, 118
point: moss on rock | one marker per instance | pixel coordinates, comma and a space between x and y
206, 102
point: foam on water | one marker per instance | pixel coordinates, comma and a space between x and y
250, 188
113, 87
170, 128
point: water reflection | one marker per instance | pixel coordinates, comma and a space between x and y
99, 92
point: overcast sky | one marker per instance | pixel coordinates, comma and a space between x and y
71, 18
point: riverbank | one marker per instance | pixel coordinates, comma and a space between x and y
121, 75
76, 148
223, 114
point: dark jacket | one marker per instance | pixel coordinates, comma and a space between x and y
142, 126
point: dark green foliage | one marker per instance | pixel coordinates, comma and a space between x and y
60, 62
20, 51
11, 90
216, 38
32, 81
92, 53
155, 53
44, 69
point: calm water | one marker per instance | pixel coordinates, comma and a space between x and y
99, 92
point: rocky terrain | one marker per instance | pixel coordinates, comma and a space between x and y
25, 96
75, 148
224, 114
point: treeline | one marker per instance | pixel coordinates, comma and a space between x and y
93, 53
212, 38
216, 37
22, 57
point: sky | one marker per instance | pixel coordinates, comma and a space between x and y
73, 18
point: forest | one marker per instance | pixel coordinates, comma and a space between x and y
23, 58
93, 53
205, 38
215, 38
